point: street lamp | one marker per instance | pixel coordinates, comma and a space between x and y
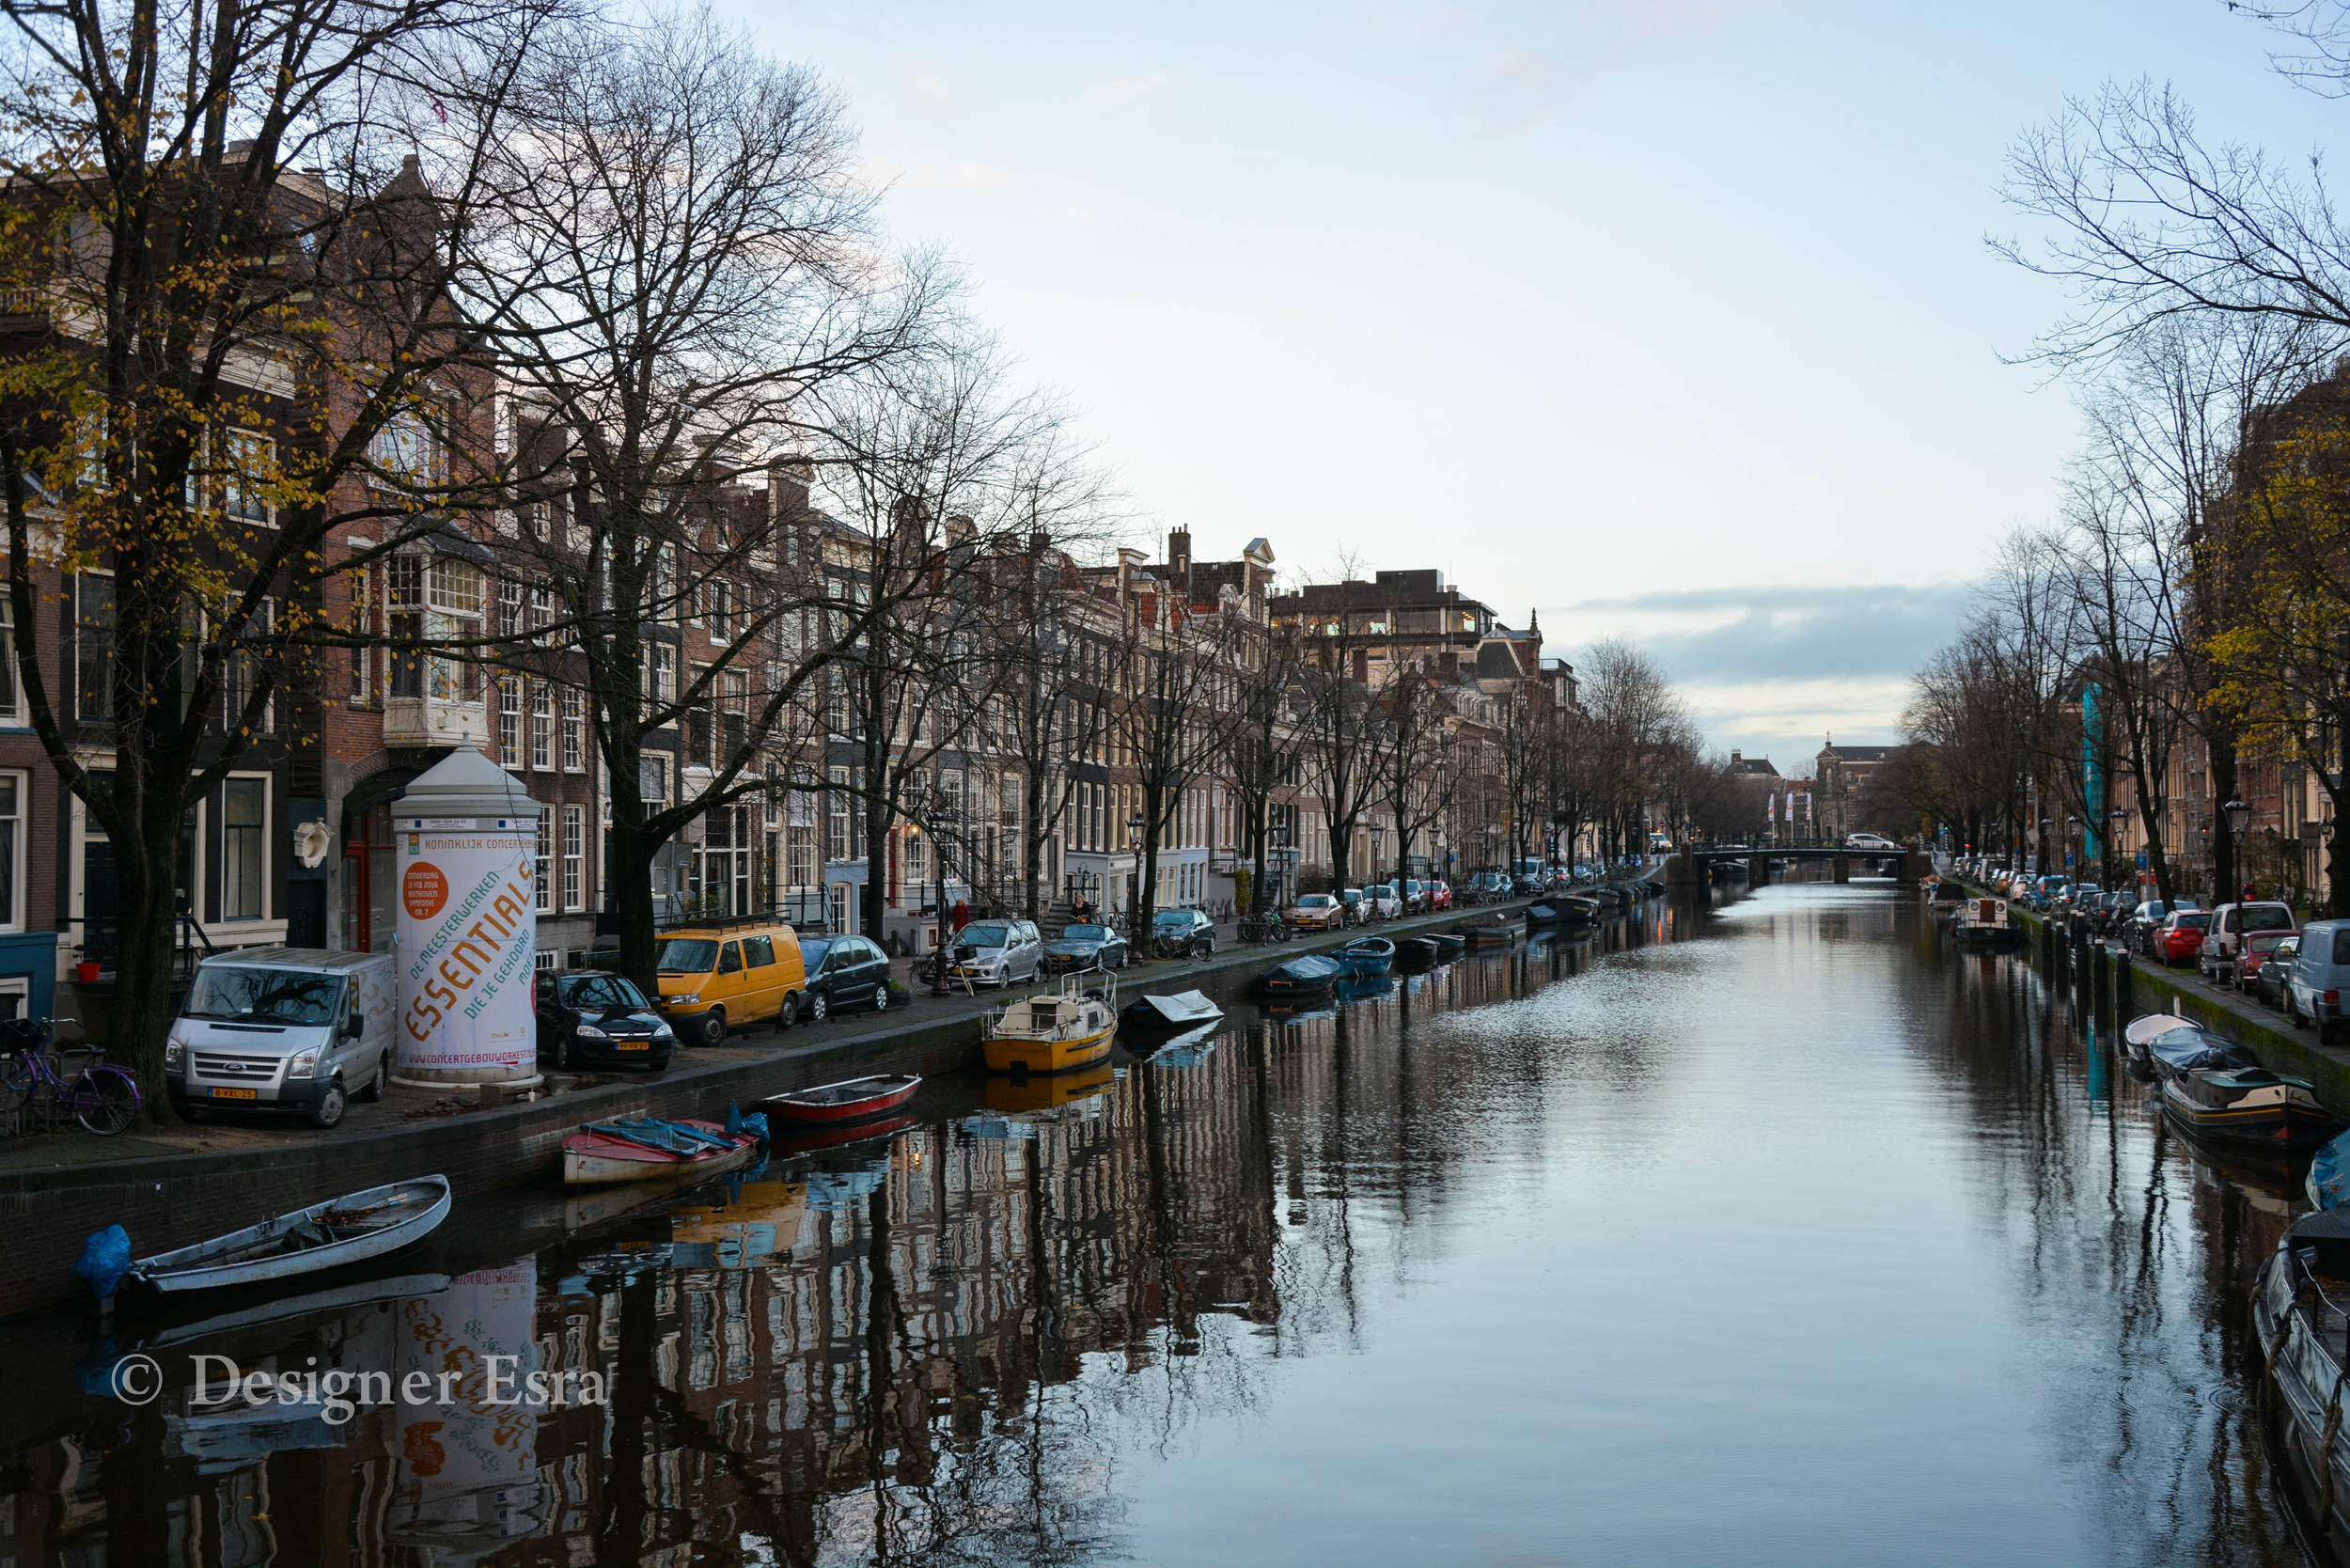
1278, 836
935, 820
1378, 833
2237, 814
1134, 824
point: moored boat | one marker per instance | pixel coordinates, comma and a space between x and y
650, 1149
1493, 936
1365, 955
346, 1230
1417, 952
2248, 1104
1449, 944
817, 1135
1054, 1031
2170, 1045
1300, 977
851, 1100
1183, 1010
1983, 923
2328, 1184
1541, 915
2299, 1318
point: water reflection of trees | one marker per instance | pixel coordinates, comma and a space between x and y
2131, 1254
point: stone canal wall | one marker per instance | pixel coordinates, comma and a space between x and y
2132, 986
170, 1201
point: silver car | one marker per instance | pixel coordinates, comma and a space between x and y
998, 952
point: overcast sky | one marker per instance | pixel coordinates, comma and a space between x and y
1665, 317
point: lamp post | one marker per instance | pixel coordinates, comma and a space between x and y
1279, 837
2117, 821
1378, 834
935, 820
2237, 814
1141, 947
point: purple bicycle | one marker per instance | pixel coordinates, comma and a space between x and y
103, 1099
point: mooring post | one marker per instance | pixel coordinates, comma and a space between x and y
2122, 1005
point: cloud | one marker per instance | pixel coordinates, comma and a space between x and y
1882, 631
1127, 90
977, 179
927, 89
1076, 217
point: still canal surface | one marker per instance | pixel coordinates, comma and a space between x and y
1771, 1233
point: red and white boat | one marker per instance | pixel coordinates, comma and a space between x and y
653, 1151
853, 1100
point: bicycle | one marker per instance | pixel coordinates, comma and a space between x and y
103, 1099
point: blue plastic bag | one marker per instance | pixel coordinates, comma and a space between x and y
106, 1259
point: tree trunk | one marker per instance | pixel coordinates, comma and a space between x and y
140, 1020
2226, 876
628, 895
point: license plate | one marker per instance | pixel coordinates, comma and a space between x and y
236, 1094
632, 1045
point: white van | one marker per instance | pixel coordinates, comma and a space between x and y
295, 1028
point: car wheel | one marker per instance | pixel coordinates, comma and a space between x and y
565, 1057
374, 1091
328, 1112
881, 998
714, 1026
2293, 1011
818, 1008
788, 1012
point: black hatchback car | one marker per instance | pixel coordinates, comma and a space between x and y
590, 1018
1181, 932
1085, 945
843, 972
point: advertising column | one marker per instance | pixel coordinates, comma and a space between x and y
465, 836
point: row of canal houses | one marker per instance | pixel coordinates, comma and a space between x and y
295, 844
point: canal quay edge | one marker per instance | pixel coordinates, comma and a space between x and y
168, 1201
2136, 987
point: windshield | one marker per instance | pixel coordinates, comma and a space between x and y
598, 991
265, 996
812, 952
988, 934
1314, 901
687, 955
1085, 933
1179, 918
2266, 917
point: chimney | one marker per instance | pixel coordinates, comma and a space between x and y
1127, 562
1179, 558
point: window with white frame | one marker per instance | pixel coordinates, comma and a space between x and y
14, 787
574, 856
248, 469
244, 849
575, 730
541, 727
11, 702
546, 854
408, 450
836, 834
509, 720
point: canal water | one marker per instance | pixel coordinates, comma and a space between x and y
1774, 1232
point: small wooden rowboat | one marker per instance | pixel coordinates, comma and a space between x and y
651, 1151
1365, 955
346, 1230
851, 1100
1055, 1031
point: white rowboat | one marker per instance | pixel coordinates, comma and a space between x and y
353, 1227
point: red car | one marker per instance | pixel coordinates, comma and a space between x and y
2251, 953
1440, 895
2180, 937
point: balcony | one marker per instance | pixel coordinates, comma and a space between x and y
435, 721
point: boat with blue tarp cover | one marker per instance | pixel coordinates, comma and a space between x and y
1309, 975
2329, 1181
2170, 1045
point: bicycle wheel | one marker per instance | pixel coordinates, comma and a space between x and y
16, 1083
105, 1100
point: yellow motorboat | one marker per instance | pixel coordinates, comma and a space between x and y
1056, 1031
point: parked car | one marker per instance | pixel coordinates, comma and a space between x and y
1440, 895
1525, 887
590, 1018
1319, 911
1386, 902
843, 972
1086, 944
1358, 905
997, 953
1414, 896
2268, 985
1181, 932
2180, 937
711, 977
2139, 935
2230, 924
2251, 953
283, 1029
2320, 974
1868, 841
1489, 884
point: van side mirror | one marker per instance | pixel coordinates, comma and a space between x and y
355, 1025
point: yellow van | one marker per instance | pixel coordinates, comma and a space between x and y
725, 974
